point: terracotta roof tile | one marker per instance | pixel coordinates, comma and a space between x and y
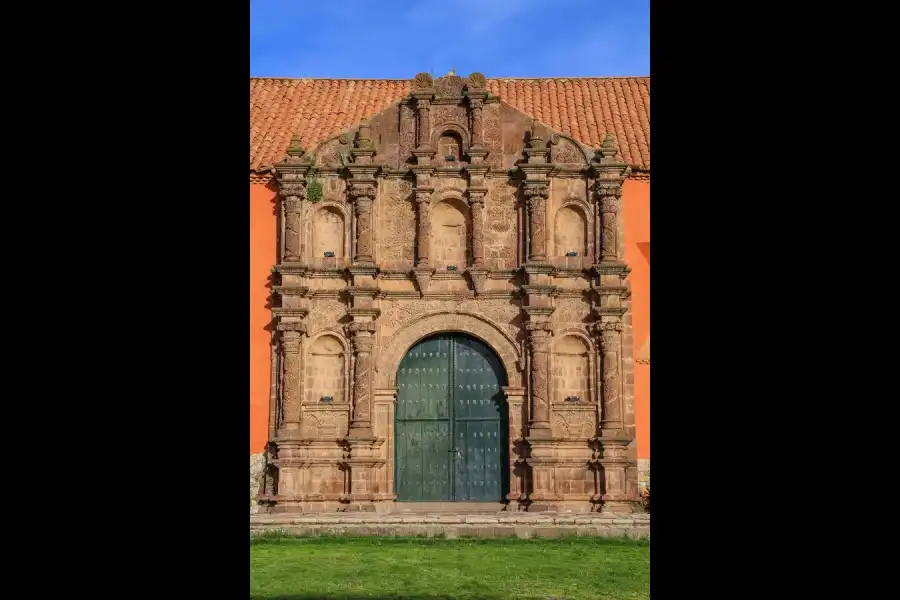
316, 109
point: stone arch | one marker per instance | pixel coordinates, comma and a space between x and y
326, 366
421, 327
571, 229
440, 129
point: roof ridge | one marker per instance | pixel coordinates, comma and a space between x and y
488, 78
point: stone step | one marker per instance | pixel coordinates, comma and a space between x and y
517, 524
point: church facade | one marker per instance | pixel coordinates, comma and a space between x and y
451, 312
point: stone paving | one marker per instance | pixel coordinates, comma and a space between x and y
513, 524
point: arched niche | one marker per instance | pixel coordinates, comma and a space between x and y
328, 233
571, 369
570, 231
450, 225
326, 367
450, 139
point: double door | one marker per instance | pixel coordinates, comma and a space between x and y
450, 426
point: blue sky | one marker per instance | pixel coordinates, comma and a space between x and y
392, 39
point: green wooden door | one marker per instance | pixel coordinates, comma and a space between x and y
451, 422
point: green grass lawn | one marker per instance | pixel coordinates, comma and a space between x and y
433, 569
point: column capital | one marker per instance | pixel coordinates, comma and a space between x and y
292, 189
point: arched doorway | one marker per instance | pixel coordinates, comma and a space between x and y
451, 422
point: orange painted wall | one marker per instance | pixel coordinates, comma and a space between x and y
636, 217
263, 256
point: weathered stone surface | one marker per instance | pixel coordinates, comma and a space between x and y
257, 468
453, 177
521, 525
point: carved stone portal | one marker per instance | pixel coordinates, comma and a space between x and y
452, 212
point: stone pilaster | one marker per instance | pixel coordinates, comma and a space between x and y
292, 368
423, 270
614, 436
610, 174
515, 400
363, 338
364, 456
423, 116
539, 336
536, 191
422, 93
476, 205
536, 194
476, 105
609, 199
362, 191
291, 174
423, 225
363, 194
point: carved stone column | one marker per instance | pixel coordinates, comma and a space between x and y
293, 193
363, 340
363, 194
613, 440
609, 199
610, 346
423, 116
536, 197
477, 106
476, 205
291, 173
539, 344
610, 174
292, 368
423, 233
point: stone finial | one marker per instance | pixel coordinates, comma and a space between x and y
535, 139
608, 147
423, 81
364, 138
477, 80
295, 149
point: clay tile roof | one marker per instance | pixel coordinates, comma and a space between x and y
316, 109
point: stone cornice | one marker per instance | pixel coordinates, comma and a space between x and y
289, 290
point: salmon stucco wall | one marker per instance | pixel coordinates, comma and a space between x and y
263, 256
636, 216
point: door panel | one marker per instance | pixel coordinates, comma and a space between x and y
451, 422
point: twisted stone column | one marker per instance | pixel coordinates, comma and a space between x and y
290, 375
363, 195
293, 193
609, 195
423, 233
539, 343
476, 205
536, 197
362, 335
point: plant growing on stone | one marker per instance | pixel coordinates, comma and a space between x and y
645, 495
314, 190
